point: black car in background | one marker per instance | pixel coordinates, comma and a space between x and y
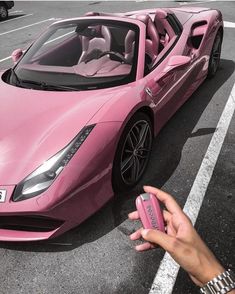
4, 7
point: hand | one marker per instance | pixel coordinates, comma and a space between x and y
182, 241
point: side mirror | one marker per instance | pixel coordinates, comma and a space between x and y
16, 55
177, 62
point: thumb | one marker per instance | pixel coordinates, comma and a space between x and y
158, 237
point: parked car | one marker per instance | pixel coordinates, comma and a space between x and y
80, 108
4, 7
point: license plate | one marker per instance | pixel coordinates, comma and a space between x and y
3, 194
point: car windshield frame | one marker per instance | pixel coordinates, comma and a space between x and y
87, 83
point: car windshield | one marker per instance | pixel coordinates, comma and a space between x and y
81, 54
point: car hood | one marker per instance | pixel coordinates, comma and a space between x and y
34, 125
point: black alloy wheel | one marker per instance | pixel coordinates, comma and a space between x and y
215, 56
3, 12
133, 152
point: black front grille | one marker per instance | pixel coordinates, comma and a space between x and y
29, 223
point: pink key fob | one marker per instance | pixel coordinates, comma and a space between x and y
150, 212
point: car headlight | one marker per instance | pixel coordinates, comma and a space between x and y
42, 178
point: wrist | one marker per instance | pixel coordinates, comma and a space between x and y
204, 274
221, 284
211, 272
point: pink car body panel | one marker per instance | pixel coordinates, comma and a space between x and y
35, 125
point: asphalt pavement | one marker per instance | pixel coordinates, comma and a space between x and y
98, 257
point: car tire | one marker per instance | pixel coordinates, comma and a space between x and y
3, 12
133, 152
214, 61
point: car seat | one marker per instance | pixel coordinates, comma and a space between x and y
160, 15
152, 37
129, 45
151, 43
100, 42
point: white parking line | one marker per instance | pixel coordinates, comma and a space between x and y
229, 24
16, 11
9, 57
4, 59
60, 37
15, 18
24, 27
196, 2
167, 273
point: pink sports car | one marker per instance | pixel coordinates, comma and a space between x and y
80, 108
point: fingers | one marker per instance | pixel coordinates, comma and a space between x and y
154, 237
133, 215
167, 199
136, 235
170, 227
158, 237
144, 246
167, 216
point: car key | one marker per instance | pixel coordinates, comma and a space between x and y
150, 212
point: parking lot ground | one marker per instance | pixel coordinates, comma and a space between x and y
98, 257
216, 219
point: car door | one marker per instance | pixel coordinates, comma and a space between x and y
171, 82
166, 86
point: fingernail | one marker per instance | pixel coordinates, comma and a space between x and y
130, 236
145, 187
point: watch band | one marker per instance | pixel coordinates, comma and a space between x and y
221, 284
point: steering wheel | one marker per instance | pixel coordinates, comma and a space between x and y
116, 54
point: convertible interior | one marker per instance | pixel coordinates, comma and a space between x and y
101, 50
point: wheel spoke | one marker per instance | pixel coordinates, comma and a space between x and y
142, 149
128, 151
135, 169
142, 156
130, 141
127, 164
134, 137
143, 135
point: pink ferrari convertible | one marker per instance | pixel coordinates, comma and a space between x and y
80, 108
